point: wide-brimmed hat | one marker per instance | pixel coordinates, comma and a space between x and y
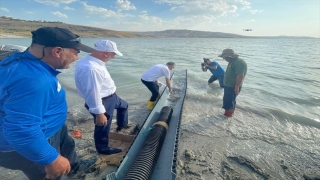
107, 46
58, 37
228, 53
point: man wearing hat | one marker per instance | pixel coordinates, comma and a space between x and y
33, 134
95, 85
233, 79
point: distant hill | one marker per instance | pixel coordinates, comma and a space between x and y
183, 33
18, 27
178, 33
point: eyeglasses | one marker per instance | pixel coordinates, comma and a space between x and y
77, 51
112, 53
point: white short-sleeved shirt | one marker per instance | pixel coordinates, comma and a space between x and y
155, 72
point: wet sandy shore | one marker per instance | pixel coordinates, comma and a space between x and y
246, 147
223, 149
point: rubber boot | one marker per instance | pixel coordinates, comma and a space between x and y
150, 104
229, 113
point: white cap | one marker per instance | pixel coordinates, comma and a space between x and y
107, 46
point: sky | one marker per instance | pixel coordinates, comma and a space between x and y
263, 17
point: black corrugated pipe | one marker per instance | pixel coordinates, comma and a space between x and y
145, 161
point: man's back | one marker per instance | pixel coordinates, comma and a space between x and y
155, 72
217, 72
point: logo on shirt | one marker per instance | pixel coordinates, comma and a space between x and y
59, 87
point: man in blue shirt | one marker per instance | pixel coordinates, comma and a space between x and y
216, 70
33, 107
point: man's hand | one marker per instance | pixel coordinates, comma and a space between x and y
236, 90
57, 168
171, 91
101, 120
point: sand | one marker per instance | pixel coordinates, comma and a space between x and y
200, 157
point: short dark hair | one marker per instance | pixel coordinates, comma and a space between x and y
171, 63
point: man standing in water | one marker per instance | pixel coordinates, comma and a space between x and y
150, 80
216, 70
33, 107
95, 85
234, 76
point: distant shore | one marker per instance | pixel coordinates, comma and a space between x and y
3, 36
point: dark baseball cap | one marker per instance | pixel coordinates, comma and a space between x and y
58, 37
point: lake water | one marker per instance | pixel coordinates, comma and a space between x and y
279, 101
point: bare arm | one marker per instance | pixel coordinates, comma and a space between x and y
239, 81
168, 82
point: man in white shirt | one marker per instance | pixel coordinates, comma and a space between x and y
95, 85
150, 80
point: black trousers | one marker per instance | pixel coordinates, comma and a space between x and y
61, 141
153, 87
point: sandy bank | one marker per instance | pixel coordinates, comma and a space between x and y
11, 36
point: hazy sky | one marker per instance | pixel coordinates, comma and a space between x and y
264, 17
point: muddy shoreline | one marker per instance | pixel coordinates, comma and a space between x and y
227, 153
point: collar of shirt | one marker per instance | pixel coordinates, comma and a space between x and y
91, 58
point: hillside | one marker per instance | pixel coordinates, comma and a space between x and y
181, 33
17, 27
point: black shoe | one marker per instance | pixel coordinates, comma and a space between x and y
74, 169
110, 151
123, 127
77, 168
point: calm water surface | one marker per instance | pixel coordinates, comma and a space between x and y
280, 94
283, 74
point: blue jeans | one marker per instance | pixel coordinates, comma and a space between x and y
220, 78
61, 141
229, 98
101, 133
153, 87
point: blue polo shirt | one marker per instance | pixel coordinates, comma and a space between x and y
32, 107
217, 72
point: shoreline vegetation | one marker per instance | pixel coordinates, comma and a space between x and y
22, 28
19, 28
